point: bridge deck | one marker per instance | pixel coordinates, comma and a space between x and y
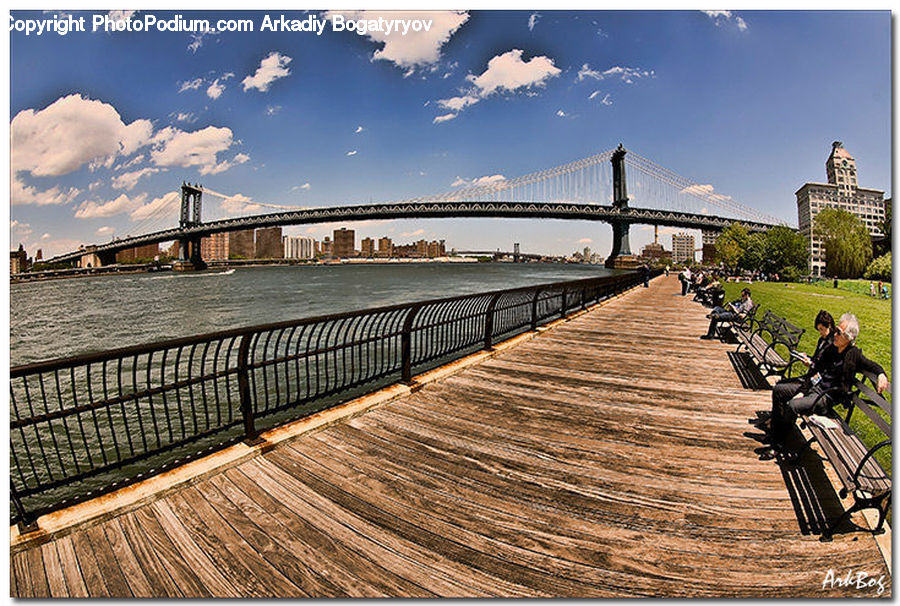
604, 458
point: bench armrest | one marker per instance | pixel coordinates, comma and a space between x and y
868, 456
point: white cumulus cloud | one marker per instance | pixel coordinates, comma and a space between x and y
486, 180
123, 204
352, 153
415, 49
174, 147
561, 113
128, 180
443, 118
71, 132
506, 72
720, 17
169, 202
509, 72
359, 129
191, 85
626, 74
305, 186
20, 193
532, 20
270, 69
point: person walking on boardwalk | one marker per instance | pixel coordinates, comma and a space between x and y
667, 271
720, 314
835, 367
645, 275
685, 277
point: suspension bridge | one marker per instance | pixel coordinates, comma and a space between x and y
592, 189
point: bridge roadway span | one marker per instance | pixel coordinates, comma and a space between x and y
432, 210
602, 457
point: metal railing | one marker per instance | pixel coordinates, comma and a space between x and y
86, 425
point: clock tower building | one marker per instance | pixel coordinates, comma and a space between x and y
842, 191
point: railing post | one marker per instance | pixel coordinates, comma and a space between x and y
584, 297
489, 323
406, 346
534, 302
244, 387
27, 522
562, 307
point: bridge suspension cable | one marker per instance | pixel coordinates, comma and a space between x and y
674, 192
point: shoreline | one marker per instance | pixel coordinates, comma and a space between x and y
114, 270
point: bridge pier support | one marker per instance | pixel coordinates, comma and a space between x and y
621, 256
189, 258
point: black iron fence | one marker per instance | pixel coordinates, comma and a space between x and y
89, 424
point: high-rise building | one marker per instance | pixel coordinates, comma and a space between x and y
367, 248
139, 253
655, 250
385, 247
327, 247
843, 192
241, 244
682, 248
299, 247
39, 255
436, 249
344, 243
18, 260
214, 247
268, 243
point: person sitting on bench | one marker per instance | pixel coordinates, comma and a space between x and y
835, 367
720, 314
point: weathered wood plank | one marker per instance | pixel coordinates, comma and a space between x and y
149, 563
108, 563
87, 562
183, 576
192, 553
132, 570
39, 585
55, 579
71, 569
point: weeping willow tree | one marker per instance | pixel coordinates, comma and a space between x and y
848, 246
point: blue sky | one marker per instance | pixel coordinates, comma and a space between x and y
106, 126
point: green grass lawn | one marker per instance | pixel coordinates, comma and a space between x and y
799, 304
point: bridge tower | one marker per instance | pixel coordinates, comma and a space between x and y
620, 257
189, 246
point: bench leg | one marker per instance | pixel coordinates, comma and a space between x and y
826, 536
882, 514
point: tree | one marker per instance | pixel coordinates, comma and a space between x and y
784, 248
880, 268
848, 246
731, 244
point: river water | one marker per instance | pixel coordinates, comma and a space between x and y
60, 318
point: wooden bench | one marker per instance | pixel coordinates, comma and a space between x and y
860, 473
770, 341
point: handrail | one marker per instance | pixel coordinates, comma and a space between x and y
88, 424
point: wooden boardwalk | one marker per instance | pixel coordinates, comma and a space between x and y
605, 457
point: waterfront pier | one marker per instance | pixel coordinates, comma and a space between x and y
601, 456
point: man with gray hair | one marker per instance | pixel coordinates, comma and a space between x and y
834, 370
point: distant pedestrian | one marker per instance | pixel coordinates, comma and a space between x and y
667, 271
872, 292
880, 288
645, 275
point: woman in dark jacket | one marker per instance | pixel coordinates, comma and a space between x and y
833, 366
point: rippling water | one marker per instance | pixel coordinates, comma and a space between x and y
67, 317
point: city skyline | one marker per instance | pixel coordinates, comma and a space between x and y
740, 102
